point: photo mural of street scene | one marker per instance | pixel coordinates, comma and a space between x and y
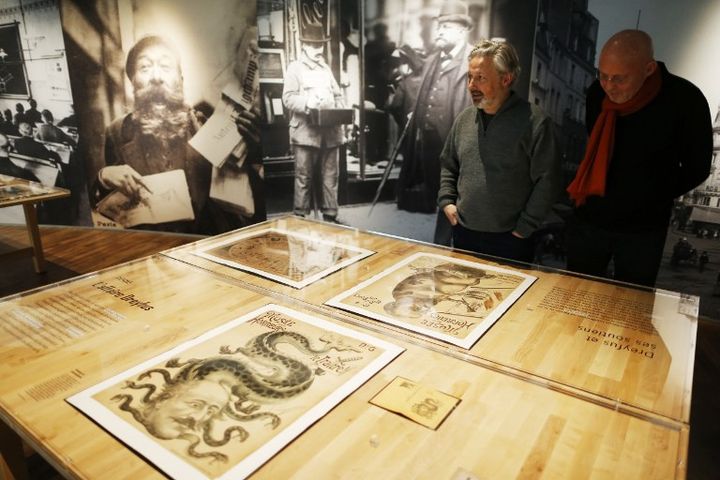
379, 53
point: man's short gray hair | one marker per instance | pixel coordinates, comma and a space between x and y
504, 55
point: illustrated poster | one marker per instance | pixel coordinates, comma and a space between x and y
446, 298
222, 404
286, 257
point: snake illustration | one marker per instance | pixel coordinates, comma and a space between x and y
255, 374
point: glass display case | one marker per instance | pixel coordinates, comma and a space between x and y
224, 358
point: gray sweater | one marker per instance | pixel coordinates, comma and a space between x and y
504, 178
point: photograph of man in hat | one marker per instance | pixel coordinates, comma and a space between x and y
310, 84
442, 95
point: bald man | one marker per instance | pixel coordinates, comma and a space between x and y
650, 142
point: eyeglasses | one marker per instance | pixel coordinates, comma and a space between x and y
614, 79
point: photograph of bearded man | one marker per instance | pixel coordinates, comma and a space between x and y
154, 137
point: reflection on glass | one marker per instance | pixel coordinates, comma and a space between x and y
442, 297
290, 258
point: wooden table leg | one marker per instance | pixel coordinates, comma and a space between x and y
34, 234
12, 456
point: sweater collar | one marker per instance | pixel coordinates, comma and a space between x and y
509, 103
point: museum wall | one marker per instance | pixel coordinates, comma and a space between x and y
376, 51
213, 186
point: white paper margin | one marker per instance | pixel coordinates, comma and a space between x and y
173, 465
362, 253
475, 333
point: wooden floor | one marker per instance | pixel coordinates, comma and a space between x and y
75, 251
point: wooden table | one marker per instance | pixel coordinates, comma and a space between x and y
542, 393
15, 191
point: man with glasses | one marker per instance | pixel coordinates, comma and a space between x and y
650, 142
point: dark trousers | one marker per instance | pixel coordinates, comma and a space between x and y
443, 230
419, 179
502, 244
636, 255
309, 162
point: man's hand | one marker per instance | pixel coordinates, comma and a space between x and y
313, 101
451, 213
516, 234
124, 179
248, 124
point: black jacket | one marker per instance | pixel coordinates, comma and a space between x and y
660, 152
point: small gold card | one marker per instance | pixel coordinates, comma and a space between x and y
419, 403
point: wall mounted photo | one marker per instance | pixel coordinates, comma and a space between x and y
446, 298
283, 256
38, 132
221, 405
169, 85
398, 101
13, 79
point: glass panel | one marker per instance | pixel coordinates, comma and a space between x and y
60, 340
616, 343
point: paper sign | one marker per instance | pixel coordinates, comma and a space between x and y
287, 257
246, 90
218, 137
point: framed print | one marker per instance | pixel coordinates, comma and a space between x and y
446, 298
222, 404
291, 258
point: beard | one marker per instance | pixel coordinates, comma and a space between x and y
162, 113
445, 45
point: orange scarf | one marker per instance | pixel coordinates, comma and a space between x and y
591, 175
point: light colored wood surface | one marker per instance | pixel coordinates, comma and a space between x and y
504, 427
642, 358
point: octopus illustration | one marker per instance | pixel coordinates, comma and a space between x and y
201, 393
